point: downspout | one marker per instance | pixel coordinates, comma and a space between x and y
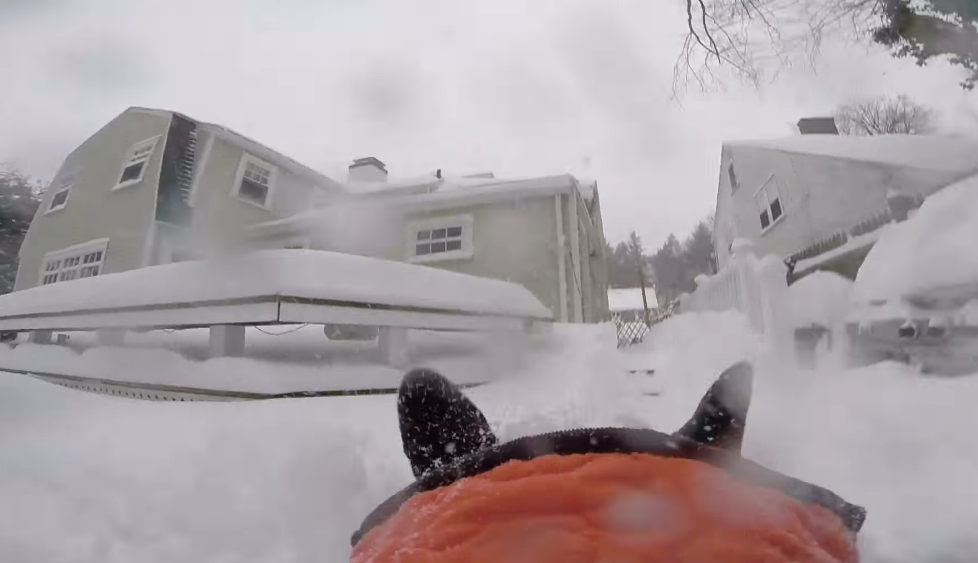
561, 261
575, 240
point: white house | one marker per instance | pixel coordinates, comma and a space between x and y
793, 196
155, 186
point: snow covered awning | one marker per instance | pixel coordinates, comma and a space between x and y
276, 286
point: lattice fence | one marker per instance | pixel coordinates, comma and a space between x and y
632, 328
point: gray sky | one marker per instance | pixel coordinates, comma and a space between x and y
511, 86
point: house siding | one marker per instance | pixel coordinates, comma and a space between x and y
218, 214
820, 197
94, 210
593, 273
513, 241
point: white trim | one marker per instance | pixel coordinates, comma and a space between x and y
279, 310
60, 271
61, 189
318, 314
65, 183
561, 261
199, 169
575, 239
143, 159
194, 315
247, 159
772, 221
466, 252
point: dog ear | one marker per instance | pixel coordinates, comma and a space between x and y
721, 417
438, 423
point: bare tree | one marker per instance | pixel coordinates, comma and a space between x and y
883, 115
749, 36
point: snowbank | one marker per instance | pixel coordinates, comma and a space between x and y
89, 478
933, 249
279, 359
311, 274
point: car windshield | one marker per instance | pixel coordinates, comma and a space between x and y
431, 281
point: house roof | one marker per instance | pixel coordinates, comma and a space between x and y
445, 193
630, 299
455, 192
256, 148
928, 152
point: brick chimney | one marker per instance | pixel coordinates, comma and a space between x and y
817, 126
367, 169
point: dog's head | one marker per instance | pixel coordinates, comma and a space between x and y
596, 494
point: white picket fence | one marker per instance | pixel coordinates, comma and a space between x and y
757, 287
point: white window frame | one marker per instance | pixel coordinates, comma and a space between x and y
64, 185
247, 159
132, 159
464, 253
763, 196
74, 262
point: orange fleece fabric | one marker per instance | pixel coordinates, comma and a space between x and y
609, 508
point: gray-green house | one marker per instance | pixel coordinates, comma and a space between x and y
148, 187
544, 233
153, 187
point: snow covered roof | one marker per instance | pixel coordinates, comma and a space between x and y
929, 152
630, 299
422, 194
934, 249
432, 188
420, 184
307, 274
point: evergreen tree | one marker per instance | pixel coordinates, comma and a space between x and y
19, 198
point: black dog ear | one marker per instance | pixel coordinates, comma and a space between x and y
721, 417
438, 423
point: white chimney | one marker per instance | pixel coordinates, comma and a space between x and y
367, 169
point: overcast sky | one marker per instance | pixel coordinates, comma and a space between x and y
512, 86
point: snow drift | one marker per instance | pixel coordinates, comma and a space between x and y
89, 478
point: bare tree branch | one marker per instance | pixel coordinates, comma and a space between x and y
884, 116
757, 37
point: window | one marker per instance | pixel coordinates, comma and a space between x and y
448, 238
61, 193
255, 181
135, 164
768, 201
80, 261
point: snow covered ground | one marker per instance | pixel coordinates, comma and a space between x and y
279, 359
89, 478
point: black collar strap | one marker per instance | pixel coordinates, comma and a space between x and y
614, 440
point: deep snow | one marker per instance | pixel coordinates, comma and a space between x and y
932, 250
89, 478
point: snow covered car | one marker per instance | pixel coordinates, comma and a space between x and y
915, 298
